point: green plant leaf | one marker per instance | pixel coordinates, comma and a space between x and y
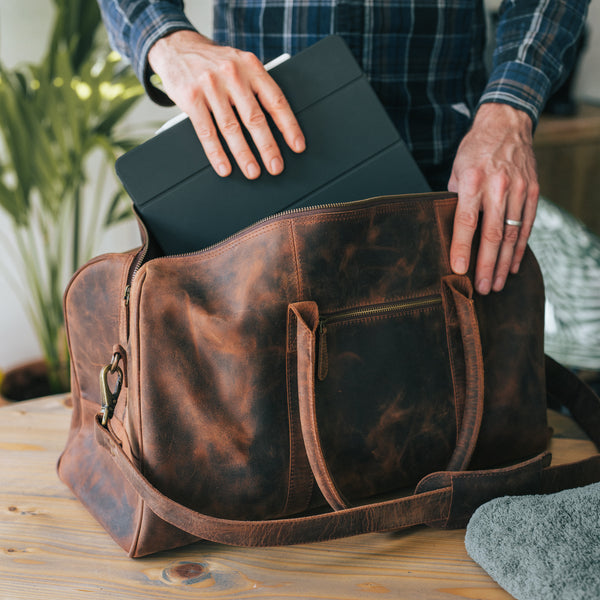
9, 200
55, 118
76, 25
119, 209
116, 113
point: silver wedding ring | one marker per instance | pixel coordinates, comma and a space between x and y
513, 222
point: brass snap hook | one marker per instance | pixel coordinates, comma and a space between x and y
110, 397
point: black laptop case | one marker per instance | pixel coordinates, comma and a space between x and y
353, 151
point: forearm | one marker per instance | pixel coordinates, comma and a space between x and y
535, 50
134, 26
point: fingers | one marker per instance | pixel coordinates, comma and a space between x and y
466, 218
207, 134
495, 178
512, 227
518, 223
231, 129
236, 88
252, 115
226, 91
528, 218
274, 101
492, 201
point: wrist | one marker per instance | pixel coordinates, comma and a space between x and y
166, 49
496, 114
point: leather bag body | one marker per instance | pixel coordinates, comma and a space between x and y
322, 373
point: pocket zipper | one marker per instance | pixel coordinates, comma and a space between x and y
365, 311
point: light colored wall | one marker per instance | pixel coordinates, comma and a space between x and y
24, 30
588, 76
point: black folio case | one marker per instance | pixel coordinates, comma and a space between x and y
353, 151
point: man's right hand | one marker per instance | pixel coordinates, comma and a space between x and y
207, 81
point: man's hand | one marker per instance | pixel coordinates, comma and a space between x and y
494, 172
207, 82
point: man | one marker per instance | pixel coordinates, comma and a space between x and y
424, 58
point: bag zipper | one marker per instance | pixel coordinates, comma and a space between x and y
361, 312
286, 213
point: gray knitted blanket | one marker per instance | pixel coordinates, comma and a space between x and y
543, 547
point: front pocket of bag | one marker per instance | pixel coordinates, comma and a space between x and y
384, 394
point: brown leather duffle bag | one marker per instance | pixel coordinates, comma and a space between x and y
320, 374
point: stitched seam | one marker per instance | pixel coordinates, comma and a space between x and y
532, 468
291, 491
355, 215
140, 440
138, 530
293, 494
320, 457
447, 296
201, 254
442, 237
294, 247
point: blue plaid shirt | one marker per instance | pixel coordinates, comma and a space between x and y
424, 58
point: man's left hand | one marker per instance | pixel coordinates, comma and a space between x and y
494, 173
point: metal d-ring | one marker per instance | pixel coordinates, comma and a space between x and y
110, 397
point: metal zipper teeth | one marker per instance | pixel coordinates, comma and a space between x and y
294, 211
369, 311
283, 214
142, 255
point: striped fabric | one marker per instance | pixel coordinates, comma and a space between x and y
425, 58
569, 256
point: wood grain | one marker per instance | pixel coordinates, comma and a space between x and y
50, 547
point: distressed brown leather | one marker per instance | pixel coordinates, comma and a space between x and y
254, 391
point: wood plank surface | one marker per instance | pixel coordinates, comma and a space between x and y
50, 547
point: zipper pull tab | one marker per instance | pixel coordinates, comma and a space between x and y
322, 362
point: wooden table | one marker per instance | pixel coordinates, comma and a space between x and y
50, 547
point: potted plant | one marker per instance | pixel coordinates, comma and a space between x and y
59, 117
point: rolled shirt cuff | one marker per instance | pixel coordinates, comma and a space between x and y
153, 23
519, 85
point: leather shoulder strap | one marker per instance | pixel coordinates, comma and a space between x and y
437, 506
564, 388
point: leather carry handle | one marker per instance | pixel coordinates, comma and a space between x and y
458, 306
458, 298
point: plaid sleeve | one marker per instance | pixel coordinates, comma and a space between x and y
135, 25
535, 51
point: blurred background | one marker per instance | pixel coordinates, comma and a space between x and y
27, 32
